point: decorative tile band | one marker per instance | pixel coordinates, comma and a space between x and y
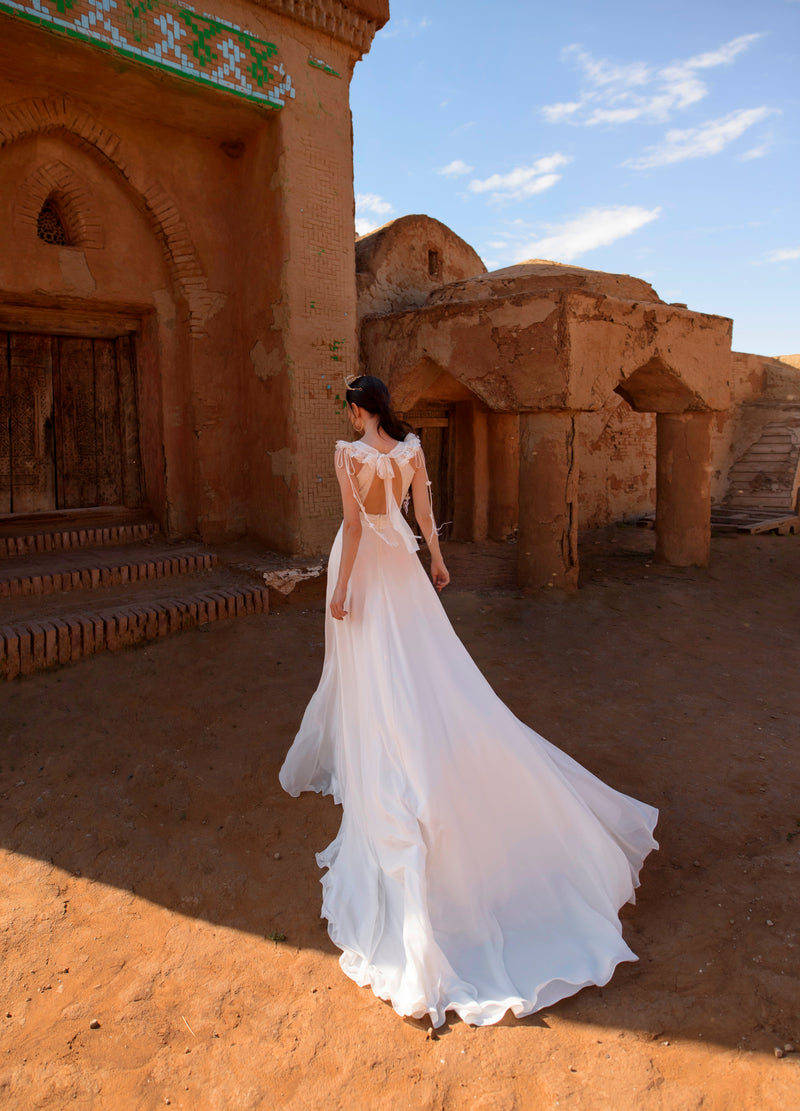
318, 63
172, 36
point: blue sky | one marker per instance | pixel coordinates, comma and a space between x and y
648, 138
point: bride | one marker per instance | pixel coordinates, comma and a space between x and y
478, 869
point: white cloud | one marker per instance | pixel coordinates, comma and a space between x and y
784, 254
371, 202
522, 182
555, 113
596, 228
368, 206
455, 168
616, 94
754, 152
709, 138
724, 55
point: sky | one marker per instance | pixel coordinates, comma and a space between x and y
655, 139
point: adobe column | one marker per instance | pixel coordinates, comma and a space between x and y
548, 493
503, 475
683, 488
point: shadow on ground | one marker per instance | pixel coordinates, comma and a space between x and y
154, 771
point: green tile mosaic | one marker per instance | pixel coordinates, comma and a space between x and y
172, 36
318, 63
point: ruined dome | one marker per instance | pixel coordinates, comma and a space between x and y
544, 276
398, 265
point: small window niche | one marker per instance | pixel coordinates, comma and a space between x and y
434, 267
50, 226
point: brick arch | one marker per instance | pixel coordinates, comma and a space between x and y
74, 201
61, 113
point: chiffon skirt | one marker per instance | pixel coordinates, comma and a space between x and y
478, 869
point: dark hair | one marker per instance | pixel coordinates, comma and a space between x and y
371, 394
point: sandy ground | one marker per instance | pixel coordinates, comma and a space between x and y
154, 878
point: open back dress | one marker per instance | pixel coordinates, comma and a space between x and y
478, 868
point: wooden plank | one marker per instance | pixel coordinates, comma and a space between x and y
770, 525
107, 423
76, 441
30, 376
14, 318
762, 497
129, 422
770, 471
5, 419
769, 451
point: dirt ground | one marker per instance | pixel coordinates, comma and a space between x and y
156, 881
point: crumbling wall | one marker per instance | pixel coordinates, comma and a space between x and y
400, 264
617, 456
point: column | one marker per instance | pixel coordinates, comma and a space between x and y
503, 475
471, 464
683, 488
480, 471
548, 492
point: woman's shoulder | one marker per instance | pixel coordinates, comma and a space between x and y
352, 446
410, 448
350, 453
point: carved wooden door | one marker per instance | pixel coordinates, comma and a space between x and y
27, 461
69, 435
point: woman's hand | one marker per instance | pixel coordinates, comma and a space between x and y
439, 574
337, 603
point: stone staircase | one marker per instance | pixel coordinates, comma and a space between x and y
766, 475
92, 581
763, 485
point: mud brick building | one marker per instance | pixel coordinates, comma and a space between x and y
552, 397
177, 278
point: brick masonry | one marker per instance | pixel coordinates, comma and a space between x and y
89, 578
33, 646
252, 247
11, 546
328, 310
44, 114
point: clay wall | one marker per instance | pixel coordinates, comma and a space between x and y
220, 232
618, 445
617, 462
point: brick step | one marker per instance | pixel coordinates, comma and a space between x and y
85, 569
73, 626
54, 540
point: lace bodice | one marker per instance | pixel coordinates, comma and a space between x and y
364, 464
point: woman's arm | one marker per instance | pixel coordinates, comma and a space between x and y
423, 511
351, 537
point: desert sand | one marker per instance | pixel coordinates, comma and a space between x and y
162, 944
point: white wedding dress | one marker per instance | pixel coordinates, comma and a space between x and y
477, 868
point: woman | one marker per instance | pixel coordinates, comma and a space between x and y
477, 868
